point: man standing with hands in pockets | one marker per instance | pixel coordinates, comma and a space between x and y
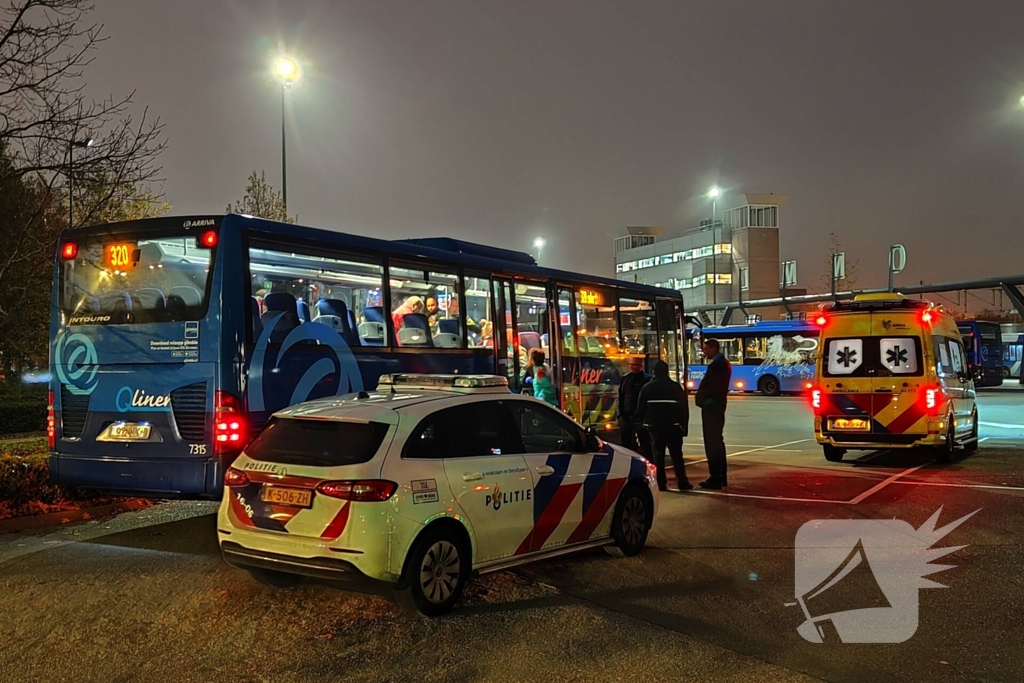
712, 396
664, 412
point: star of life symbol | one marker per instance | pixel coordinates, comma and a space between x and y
847, 356
857, 580
896, 356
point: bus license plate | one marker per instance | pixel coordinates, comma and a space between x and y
853, 424
128, 431
302, 498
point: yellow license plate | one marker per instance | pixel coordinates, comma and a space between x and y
129, 431
850, 423
278, 495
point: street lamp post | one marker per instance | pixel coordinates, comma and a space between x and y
713, 195
84, 144
287, 69
539, 244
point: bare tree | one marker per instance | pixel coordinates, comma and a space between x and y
842, 284
261, 200
46, 46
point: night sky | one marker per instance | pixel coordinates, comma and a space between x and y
886, 122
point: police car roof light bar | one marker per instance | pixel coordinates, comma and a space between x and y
426, 381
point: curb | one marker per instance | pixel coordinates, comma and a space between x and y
19, 524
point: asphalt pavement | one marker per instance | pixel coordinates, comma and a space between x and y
144, 595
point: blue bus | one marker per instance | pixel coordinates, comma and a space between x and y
768, 357
984, 345
1013, 352
174, 339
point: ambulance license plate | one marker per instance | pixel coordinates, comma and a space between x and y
850, 424
128, 431
302, 498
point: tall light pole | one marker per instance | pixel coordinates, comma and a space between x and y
287, 70
539, 244
84, 144
713, 194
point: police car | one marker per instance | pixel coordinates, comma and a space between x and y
425, 482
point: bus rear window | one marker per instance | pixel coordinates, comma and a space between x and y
323, 443
116, 279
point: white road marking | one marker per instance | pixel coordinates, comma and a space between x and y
778, 498
881, 485
961, 486
1001, 425
752, 450
984, 439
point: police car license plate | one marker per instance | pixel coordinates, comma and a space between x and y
278, 495
852, 424
128, 431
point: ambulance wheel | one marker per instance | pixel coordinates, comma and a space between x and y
833, 454
275, 579
435, 573
769, 386
972, 443
634, 514
944, 453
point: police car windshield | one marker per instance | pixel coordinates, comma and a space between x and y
320, 443
873, 357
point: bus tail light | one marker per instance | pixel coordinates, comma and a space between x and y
233, 477
363, 490
230, 427
51, 422
69, 251
208, 240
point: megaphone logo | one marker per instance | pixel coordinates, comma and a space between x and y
857, 580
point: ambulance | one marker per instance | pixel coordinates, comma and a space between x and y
892, 373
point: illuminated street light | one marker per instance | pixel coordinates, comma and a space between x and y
82, 144
286, 69
713, 194
539, 245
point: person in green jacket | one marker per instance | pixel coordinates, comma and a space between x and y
543, 387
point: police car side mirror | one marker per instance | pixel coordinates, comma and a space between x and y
593, 443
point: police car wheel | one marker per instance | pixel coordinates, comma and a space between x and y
833, 454
631, 522
274, 579
435, 573
769, 386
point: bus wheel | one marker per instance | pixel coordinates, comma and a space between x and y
832, 453
1006, 372
944, 453
769, 386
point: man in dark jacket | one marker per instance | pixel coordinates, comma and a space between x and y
663, 410
629, 399
712, 396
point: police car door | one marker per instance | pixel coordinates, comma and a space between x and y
568, 478
488, 479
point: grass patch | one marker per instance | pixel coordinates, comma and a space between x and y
25, 487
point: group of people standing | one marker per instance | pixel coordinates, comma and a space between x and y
655, 416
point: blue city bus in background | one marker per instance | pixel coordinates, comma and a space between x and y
772, 357
173, 340
984, 346
1013, 351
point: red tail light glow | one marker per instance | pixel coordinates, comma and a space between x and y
363, 490
816, 399
51, 423
69, 251
233, 477
934, 400
927, 317
208, 240
821, 320
230, 426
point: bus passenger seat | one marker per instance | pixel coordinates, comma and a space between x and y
446, 340
280, 304
116, 302
335, 314
371, 333
449, 326
414, 336
149, 298
302, 309
373, 314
